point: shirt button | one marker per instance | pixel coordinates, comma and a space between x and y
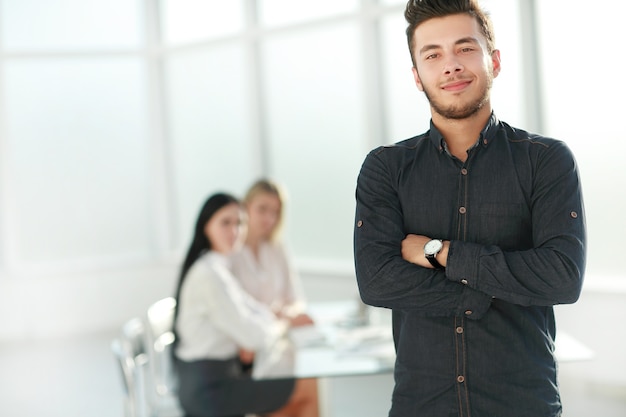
464, 281
359, 223
468, 312
464, 171
574, 215
459, 330
462, 210
460, 379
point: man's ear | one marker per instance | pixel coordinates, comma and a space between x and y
495, 62
418, 81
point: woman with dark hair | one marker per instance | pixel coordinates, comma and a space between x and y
215, 318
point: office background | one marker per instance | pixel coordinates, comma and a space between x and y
118, 118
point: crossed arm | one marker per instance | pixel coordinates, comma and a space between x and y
393, 272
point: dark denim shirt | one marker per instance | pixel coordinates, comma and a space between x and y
475, 339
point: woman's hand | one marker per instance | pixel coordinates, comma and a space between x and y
301, 319
295, 320
246, 356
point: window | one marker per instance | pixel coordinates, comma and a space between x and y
74, 145
71, 25
120, 117
185, 21
579, 92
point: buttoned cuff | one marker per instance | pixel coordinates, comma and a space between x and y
462, 267
463, 262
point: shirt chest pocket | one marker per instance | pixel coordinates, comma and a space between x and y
505, 225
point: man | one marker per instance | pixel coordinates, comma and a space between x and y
470, 233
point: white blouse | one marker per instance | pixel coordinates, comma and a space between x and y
270, 279
217, 317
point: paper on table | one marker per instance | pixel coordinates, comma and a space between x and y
569, 349
369, 340
305, 336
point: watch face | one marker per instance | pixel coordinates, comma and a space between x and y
433, 247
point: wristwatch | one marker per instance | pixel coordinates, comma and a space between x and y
431, 249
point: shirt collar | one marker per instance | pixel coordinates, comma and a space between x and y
486, 135
218, 258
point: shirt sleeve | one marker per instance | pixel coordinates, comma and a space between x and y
293, 293
552, 271
384, 278
248, 322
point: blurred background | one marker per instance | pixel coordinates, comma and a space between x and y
119, 117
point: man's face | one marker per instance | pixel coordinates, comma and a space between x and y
454, 67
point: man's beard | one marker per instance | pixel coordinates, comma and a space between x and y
461, 112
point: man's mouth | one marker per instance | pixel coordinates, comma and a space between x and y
456, 85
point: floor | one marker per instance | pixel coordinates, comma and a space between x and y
60, 378
77, 377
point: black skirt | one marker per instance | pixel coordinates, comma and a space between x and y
220, 388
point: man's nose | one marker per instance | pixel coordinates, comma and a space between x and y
452, 66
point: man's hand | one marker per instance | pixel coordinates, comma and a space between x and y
413, 251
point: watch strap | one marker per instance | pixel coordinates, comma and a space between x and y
434, 262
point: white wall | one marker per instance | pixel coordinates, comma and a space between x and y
80, 302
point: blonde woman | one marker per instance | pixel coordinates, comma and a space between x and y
262, 264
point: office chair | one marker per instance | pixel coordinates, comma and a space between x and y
129, 352
162, 391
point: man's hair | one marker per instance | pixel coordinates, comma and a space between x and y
419, 11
